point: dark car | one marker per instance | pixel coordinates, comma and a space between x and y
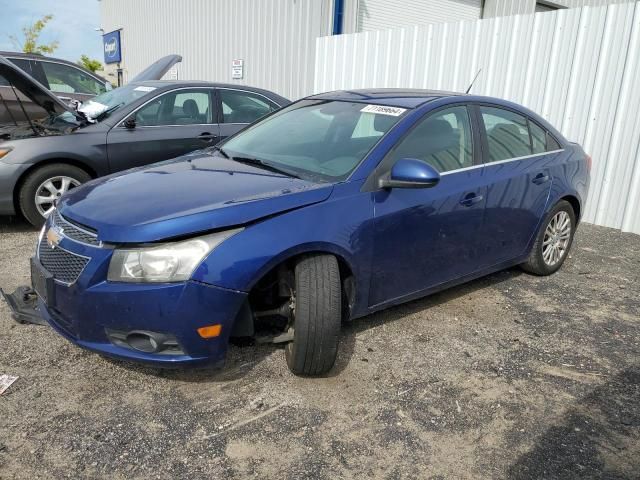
334, 207
66, 80
131, 126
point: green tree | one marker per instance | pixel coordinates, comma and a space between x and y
31, 35
89, 63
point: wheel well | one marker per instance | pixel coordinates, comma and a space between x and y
575, 203
270, 291
49, 161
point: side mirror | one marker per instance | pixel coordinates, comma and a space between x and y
130, 123
410, 173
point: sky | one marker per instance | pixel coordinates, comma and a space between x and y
73, 25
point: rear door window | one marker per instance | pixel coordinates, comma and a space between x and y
507, 134
241, 106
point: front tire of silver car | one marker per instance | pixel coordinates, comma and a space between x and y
553, 240
317, 316
46, 185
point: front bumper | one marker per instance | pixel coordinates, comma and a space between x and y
179, 310
88, 308
9, 175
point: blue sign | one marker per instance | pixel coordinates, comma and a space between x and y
111, 45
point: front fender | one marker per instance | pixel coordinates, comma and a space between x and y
341, 225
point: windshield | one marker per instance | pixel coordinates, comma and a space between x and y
106, 103
316, 139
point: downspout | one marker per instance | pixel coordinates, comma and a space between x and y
338, 13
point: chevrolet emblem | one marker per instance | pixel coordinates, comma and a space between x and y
54, 235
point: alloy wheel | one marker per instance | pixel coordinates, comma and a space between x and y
51, 190
556, 238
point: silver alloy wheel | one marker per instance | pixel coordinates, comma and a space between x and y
556, 238
51, 190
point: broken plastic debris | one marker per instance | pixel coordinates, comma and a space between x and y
6, 381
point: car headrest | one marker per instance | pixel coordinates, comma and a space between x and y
508, 129
190, 107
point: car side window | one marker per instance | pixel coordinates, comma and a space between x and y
182, 107
240, 106
538, 138
67, 79
507, 134
442, 139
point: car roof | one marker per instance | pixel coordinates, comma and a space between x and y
168, 84
39, 56
396, 97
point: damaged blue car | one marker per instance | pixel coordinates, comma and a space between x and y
334, 207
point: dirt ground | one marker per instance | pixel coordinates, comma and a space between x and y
511, 376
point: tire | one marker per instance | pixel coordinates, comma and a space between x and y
544, 262
317, 316
36, 180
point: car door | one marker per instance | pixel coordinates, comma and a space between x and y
167, 126
518, 181
238, 108
428, 236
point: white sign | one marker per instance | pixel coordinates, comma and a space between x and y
237, 68
384, 110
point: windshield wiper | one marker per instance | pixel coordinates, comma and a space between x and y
256, 162
221, 150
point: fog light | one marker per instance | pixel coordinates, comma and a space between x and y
210, 331
143, 342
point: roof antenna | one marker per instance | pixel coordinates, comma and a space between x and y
473, 81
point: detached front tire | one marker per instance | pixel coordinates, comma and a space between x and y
317, 316
553, 240
44, 186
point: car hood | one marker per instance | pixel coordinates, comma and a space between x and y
195, 193
33, 89
156, 70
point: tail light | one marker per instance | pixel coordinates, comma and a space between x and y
589, 162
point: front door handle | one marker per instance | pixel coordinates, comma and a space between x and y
206, 137
540, 178
471, 199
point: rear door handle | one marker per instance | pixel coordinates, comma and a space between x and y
471, 199
540, 178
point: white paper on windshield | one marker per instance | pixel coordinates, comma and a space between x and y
142, 88
92, 108
384, 110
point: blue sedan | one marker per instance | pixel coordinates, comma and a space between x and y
332, 208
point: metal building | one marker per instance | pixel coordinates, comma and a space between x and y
274, 40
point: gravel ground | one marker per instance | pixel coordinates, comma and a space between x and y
511, 376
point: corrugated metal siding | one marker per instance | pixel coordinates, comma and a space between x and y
502, 8
275, 38
578, 68
383, 14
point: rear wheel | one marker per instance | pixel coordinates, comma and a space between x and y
553, 241
44, 186
317, 316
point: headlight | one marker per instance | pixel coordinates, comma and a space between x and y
169, 262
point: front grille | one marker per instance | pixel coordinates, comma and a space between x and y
74, 232
64, 266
